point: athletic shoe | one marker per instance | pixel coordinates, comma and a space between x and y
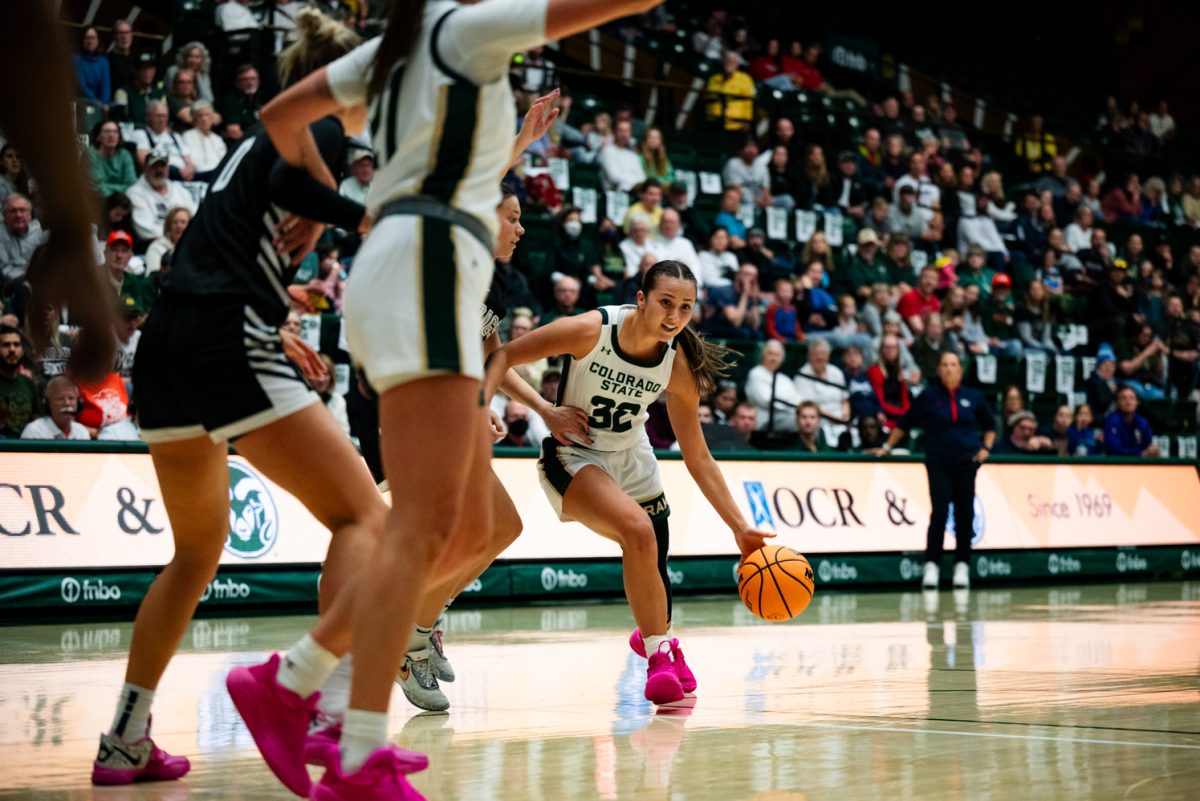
962, 575
119, 762
686, 677
381, 778
662, 681
932, 574
321, 744
441, 665
416, 677
277, 719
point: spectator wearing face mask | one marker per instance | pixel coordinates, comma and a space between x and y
516, 420
576, 255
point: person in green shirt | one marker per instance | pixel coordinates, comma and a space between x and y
240, 108
975, 271
866, 268
809, 437
130, 101
18, 394
112, 165
999, 310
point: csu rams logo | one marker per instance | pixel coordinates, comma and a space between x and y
253, 518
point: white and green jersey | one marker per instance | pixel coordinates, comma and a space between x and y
615, 389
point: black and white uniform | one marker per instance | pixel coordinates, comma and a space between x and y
442, 130
210, 359
616, 391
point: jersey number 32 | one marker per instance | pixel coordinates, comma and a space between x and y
607, 413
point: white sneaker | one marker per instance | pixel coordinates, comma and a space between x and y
962, 575
416, 678
932, 574
441, 665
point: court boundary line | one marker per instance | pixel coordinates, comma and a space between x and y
997, 735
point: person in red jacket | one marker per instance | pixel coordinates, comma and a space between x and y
887, 379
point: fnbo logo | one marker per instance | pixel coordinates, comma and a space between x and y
253, 518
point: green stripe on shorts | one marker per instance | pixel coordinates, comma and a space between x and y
439, 285
556, 471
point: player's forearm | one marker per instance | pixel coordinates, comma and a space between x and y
518, 389
495, 370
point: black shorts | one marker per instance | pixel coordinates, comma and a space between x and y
212, 366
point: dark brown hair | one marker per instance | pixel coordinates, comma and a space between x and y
709, 362
404, 25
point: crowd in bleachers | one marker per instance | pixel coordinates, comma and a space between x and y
841, 265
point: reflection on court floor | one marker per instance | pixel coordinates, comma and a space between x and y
1078, 692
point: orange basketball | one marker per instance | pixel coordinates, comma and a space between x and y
776, 583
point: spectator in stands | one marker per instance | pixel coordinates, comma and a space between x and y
173, 227
1143, 363
731, 95
1182, 335
888, 383
1033, 226
235, 15
1091, 198
239, 108
1056, 181
154, 195
999, 208
901, 273
905, 217
877, 218
1079, 233
825, 384
575, 254
846, 191
811, 79
773, 395
118, 251
621, 165
811, 180
194, 56
61, 406
207, 148
361, 166
927, 194
19, 399
19, 238
1162, 124
847, 328
895, 164
1067, 206
1059, 430
1101, 386
867, 267
670, 243
767, 68
976, 271
817, 249
889, 121
648, 205
708, 42
1139, 137
918, 303
1155, 210
116, 214
13, 177
892, 326
655, 162
878, 304
728, 216
742, 420
732, 311
157, 136
1082, 438
980, 229
516, 420
1123, 204
863, 402
1022, 437
781, 179
748, 174
782, 318
92, 69
1190, 202
637, 245
120, 54
1127, 433
112, 165
1036, 147
927, 349
870, 162
566, 300
180, 97
1111, 308
818, 306
810, 433
757, 253
127, 328
130, 100
1034, 320
718, 264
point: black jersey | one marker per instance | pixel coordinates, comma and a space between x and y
495, 306
227, 248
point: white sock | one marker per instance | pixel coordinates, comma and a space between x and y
306, 666
335, 692
420, 638
133, 713
654, 641
363, 733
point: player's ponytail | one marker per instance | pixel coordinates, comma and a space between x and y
319, 40
404, 20
709, 361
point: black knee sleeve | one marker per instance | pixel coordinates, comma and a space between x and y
662, 536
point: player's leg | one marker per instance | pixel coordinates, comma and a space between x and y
940, 495
596, 500
193, 478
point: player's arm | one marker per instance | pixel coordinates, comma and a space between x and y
36, 116
538, 119
559, 419
286, 120
571, 335
683, 401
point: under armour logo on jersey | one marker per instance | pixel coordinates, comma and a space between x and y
606, 350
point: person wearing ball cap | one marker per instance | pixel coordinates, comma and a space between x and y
959, 433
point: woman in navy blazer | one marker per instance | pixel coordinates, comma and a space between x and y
959, 432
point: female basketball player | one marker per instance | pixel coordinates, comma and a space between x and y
212, 368
621, 358
442, 115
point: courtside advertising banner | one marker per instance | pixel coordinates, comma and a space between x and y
92, 510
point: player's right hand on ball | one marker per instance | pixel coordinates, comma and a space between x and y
750, 540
